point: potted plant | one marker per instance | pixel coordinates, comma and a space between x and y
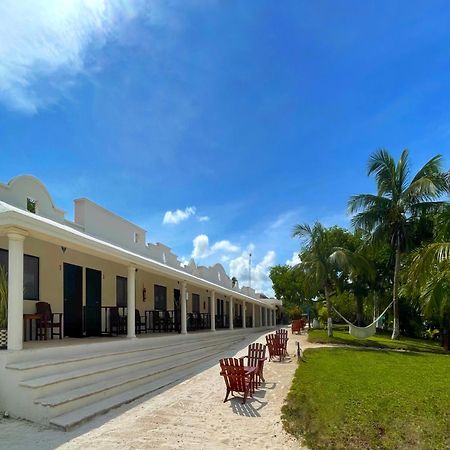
3, 308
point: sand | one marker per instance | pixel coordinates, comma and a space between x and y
189, 415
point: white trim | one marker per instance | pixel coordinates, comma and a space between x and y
44, 228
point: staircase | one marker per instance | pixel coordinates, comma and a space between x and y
68, 385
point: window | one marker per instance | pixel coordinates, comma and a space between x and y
160, 298
121, 291
136, 237
30, 274
30, 277
195, 303
31, 205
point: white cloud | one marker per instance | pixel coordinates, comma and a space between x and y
225, 246
44, 45
260, 281
201, 246
174, 217
203, 218
202, 249
294, 260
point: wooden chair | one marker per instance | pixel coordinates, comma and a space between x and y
296, 326
117, 323
302, 324
282, 335
47, 321
255, 358
237, 377
140, 322
274, 347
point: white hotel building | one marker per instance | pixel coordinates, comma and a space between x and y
92, 271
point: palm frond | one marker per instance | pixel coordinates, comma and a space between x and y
402, 172
431, 168
364, 201
427, 258
368, 220
302, 230
382, 165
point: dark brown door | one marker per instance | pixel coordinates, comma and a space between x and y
93, 314
73, 300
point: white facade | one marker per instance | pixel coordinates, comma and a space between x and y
97, 232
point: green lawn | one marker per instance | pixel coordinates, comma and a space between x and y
379, 341
365, 399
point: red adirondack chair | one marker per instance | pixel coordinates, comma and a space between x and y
238, 378
302, 324
275, 348
282, 335
296, 326
255, 358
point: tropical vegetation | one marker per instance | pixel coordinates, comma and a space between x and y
397, 252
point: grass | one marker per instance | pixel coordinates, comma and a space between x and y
364, 399
380, 340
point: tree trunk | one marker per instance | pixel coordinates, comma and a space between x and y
396, 328
359, 311
376, 310
329, 319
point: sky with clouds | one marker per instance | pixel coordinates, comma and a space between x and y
218, 125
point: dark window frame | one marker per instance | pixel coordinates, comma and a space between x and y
37, 296
121, 301
196, 303
161, 289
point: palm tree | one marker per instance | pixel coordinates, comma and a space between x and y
429, 272
323, 261
389, 214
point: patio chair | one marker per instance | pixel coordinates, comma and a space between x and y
255, 358
48, 322
117, 323
237, 377
283, 338
140, 322
302, 324
275, 347
296, 326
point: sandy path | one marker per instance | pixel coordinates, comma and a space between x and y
189, 415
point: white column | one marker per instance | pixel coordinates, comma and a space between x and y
274, 312
244, 314
184, 294
260, 316
253, 316
15, 290
213, 311
231, 325
131, 302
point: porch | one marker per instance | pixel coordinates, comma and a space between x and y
92, 295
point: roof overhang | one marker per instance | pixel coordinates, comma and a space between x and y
64, 235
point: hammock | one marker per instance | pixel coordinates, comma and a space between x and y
362, 332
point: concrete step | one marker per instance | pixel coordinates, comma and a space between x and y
90, 390
144, 357
76, 417
134, 346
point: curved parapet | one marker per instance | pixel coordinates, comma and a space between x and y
28, 193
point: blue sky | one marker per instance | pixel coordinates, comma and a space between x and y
246, 116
